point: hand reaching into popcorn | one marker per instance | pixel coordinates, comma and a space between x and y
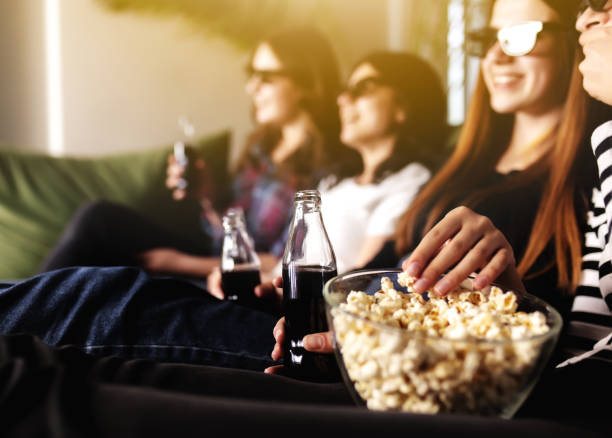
463, 242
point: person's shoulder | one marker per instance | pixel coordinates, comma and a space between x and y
412, 173
601, 134
328, 182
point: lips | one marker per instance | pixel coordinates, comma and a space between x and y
502, 81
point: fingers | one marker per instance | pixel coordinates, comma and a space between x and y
276, 369
214, 285
179, 194
277, 351
278, 282
500, 261
265, 290
443, 246
319, 342
491, 255
594, 34
270, 290
433, 241
461, 243
175, 174
511, 279
279, 336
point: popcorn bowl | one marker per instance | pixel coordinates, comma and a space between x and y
474, 352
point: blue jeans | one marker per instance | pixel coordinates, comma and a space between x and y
126, 312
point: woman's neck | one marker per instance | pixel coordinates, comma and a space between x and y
294, 134
372, 156
530, 140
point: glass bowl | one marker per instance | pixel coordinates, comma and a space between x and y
418, 363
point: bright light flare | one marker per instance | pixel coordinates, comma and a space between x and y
55, 119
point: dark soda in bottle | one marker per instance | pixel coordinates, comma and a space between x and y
238, 284
240, 264
308, 262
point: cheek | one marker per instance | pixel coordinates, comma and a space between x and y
547, 78
287, 99
377, 118
276, 101
485, 67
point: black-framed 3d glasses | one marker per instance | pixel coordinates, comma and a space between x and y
265, 76
516, 40
363, 87
596, 5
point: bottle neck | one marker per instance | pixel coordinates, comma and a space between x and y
308, 243
307, 201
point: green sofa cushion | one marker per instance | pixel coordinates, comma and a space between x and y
39, 194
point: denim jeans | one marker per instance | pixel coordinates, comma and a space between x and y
126, 312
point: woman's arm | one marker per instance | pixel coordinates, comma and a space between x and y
172, 261
370, 247
601, 142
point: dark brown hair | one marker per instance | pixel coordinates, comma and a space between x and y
309, 59
418, 89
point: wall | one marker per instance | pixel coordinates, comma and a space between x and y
127, 77
22, 74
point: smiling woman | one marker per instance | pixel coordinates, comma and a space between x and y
507, 146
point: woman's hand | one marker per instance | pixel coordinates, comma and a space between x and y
173, 261
464, 242
213, 283
267, 291
200, 181
271, 290
597, 64
160, 259
316, 343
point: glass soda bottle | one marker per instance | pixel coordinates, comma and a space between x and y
240, 264
182, 150
308, 262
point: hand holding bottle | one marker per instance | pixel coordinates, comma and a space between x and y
266, 291
186, 173
188, 176
314, 342
240, 265
308, 263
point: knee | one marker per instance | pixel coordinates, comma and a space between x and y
90, 217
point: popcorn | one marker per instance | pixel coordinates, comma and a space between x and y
440, 364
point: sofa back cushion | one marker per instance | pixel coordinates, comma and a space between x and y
39, 194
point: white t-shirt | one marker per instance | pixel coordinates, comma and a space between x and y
352, 212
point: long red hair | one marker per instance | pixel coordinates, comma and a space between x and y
483, 140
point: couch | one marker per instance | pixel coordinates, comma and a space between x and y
39, 194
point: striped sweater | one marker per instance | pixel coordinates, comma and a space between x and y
590, 328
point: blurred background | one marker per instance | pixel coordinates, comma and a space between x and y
95, 77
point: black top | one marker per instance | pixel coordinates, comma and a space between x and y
513, 213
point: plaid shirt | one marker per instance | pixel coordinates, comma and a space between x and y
265, 192
267, 199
